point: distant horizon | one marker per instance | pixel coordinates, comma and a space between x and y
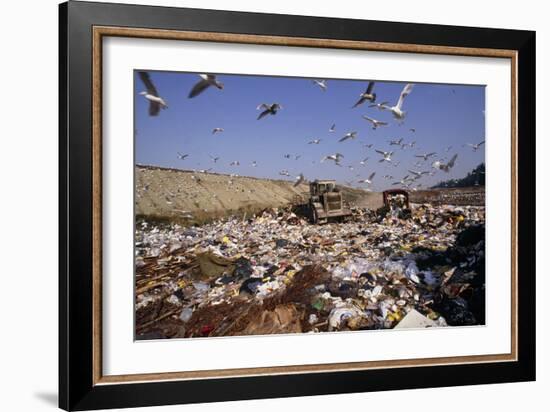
438, 116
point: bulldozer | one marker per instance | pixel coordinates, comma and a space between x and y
326, 203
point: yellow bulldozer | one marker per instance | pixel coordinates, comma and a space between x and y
326, 203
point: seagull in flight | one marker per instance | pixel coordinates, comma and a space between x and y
368, 146
368, 180
476, 146
375, 123
206, 81
322, 84
254, 163
425, 156
332, 128
182, 156
315, 141
349, 135
364, 161
396, 142
214, 159
334, 157
396, 110
446, 167
287, 156
299, 179
217, 130
155, 101
284, 173
234, 163
418, 174
380, 106
268, 109
386, 156
367, 95
403, 181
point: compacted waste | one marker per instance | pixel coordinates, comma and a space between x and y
275, 272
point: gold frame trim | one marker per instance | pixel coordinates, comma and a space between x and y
102, 31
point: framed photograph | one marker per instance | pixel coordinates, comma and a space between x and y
257, 206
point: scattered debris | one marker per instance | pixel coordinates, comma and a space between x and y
274, 272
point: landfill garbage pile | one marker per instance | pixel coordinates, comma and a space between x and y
277, 273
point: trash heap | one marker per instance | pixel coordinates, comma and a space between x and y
277, 273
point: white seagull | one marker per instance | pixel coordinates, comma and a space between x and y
476, 146
334, 157
396, 110
349, 135
206, 81
332, 127
155, 101
446, 167
322, 84
418, 174
396, 142
182, 156
403, 181
380, 106
425, 156
315, 141
368, 180
214, 159
217, 130
284, 173
364, 161
234, 163
386, 156
375, 123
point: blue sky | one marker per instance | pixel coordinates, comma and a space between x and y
442, 115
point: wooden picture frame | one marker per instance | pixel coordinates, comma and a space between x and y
82, 385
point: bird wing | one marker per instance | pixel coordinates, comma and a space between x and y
146, 79
339, 155
154, 108
346, 137
361, 100
380, 151
480, 143
370, 87
263, 106
198, 88
262, 114
369, 119
404, 93
452, 161
430, 154
372, 175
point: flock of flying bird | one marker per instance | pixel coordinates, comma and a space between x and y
156, 103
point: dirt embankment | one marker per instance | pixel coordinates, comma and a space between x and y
195, 197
